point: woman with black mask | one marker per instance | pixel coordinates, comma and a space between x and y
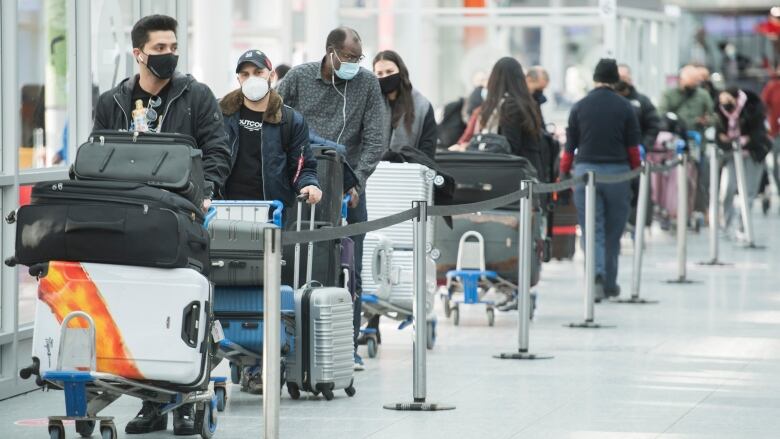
411, 119
517, 112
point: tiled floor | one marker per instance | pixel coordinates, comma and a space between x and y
703, 363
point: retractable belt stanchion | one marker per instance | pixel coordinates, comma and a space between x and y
272, 374
590, 255
682, 219
525, 243
419, 316
712, 152
639, 238
747, 219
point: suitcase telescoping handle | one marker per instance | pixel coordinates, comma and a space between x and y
310, 252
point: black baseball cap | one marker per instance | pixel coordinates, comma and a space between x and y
255, 57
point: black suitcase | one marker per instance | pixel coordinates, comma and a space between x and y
110, 222
163, 160
480, 176
564, 227
327, 260
330, 173
236, 253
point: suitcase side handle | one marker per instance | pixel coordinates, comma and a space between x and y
189, 324
72, 225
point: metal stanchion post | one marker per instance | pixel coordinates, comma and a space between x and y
747, 219
419, 317
525, 243
714, 207
682, 220
590, 255
272, 350
639, 238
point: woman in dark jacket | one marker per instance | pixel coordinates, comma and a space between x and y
411, 119
742, 119
511, 106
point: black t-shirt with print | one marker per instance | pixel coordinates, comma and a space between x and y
246, 181
159, 103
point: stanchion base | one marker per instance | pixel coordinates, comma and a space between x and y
588, 325
635, 301
715, 263
682, 281
521, 356
418, 407
753, 246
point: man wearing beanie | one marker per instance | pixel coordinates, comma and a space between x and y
604, 133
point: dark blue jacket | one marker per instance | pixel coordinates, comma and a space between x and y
280, 160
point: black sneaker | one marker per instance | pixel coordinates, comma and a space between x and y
147, 420
184, 420
612, 292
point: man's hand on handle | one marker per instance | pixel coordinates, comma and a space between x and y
354, 198
314, 194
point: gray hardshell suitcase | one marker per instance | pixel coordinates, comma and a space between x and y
236, 238
322, 358
236, 253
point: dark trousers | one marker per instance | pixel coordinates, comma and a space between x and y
358, 215
613, 205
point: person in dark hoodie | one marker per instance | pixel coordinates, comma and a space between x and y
171, 103
741, 118
269, 142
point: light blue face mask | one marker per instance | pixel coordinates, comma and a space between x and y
348, 70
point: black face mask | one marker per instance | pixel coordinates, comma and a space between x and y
689, 91
622, 87
539, 96
162, 66
390, 83
729, 108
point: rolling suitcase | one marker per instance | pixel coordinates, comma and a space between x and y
110, 222
330, 173
564, 228
236, 252
323, 356
164, 160
500, 231
480, 176
151, 324
240, 312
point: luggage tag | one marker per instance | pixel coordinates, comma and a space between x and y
216, 332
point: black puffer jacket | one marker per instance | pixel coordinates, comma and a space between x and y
192, 110
752, 123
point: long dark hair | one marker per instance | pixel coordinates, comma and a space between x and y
507, 80
404, 105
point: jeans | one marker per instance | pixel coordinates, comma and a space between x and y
774, 156
613, 205
358, 215
753, 172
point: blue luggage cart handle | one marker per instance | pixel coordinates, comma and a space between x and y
210, 214
277, 208
345, 206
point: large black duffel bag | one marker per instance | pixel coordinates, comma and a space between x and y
110, 222
480, 176
164, 160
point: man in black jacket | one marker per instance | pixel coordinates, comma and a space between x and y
175, 103
172, 102
649, 121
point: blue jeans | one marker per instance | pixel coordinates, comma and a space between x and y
613, 205
358, 215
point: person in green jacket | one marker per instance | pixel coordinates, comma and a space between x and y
693, 105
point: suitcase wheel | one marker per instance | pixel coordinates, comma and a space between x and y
293, 390
56, 430
350, 390
221, 394
372, 346
491, 316
206, 418
108, 430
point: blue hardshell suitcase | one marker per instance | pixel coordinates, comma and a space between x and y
240, 312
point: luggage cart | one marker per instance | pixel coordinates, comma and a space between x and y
87, 391
472, 279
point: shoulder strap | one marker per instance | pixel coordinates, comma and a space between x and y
288, 118
493, 122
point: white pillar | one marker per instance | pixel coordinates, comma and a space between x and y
608, 11
212, 63
321, 18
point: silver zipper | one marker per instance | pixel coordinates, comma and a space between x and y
127, 120
164, 116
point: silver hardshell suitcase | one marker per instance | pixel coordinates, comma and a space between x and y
391, 189
322, 357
